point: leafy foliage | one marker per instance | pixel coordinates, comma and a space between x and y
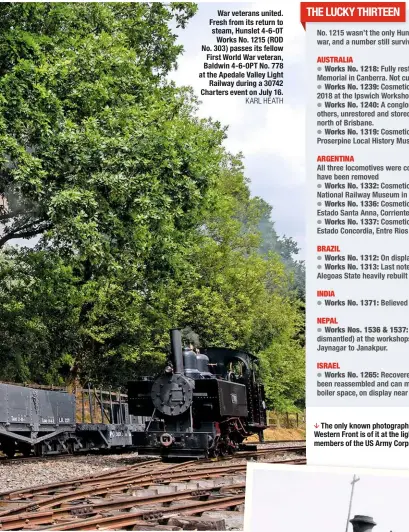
286, 247
142, 221
38, 315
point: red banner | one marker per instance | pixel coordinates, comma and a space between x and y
353, 12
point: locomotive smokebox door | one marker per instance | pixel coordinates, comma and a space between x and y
172, 395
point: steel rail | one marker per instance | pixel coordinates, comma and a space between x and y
295, 449
139, 482
106, 475
268, 442
31, 518
23, 520
128, 519
16, 522
142, 479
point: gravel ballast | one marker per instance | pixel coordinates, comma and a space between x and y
16, 474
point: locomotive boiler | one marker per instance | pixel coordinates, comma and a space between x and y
202, 405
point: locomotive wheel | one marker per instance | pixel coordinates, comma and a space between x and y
70, 447
9, 448
232, 449
223, 449
223, 452
25, 450
39, 450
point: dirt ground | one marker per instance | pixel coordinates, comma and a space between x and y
280, 434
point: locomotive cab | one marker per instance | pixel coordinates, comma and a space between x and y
242, 367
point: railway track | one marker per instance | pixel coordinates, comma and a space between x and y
4, 460
279, 442
147, 493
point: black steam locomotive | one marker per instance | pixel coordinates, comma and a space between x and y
202, 404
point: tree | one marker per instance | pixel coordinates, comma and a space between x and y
92, 141
39, 307
286, 247
100, 158
143, 221
225, 291
244, 299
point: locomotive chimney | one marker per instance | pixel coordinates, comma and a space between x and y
176, 350
362, 523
